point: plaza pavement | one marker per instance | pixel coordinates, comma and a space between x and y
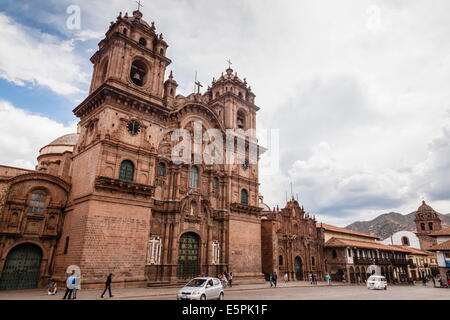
145, 293
296, 290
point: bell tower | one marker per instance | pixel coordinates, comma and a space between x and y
427, 221
107, 223
132, 57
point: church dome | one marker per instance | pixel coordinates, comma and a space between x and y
137, 18
424, 208
425, 212
61, 144
262, 205
66, 140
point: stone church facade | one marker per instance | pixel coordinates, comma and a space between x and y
291, 243
110, 198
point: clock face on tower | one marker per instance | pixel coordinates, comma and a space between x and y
133, 127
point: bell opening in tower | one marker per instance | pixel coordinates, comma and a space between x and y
138, 73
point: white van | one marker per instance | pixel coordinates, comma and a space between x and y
376, 283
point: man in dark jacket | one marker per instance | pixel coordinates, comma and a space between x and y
108, 286
274, 279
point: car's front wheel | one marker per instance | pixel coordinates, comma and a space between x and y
203, 297
221, 296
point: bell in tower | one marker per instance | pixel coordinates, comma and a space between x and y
138, 72
131, 57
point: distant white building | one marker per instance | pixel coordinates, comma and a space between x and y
403, 238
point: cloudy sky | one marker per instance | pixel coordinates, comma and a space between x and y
359, 90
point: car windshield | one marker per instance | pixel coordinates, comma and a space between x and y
196, 283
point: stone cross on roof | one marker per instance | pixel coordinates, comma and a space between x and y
197, 83
139, 5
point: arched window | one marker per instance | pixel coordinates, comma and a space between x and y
244, 196
280, 260
104, 71
241, 120
430, 226
143, 42
161, 51
405, 241
126, 171
422, 225
36, 204
313, 261
334, 254
193, 177
138, 73
125, 31
66, 245
216, 184
161, 172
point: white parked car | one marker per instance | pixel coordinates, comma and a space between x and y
202, 289
377, 283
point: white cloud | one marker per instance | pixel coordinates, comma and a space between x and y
23, 134
358, 98
29, 56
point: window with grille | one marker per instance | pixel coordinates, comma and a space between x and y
36, 204
216, 184
161, 169
193, 178
126, 171
244, 196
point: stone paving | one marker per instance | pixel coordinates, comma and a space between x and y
298, 290
143, 293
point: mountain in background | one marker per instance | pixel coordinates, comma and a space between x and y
387, 224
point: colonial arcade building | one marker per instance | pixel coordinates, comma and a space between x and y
354, 256
110, 198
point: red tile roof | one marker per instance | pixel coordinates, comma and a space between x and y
440, 247
414, 250
335, 242
346, 231
443, 232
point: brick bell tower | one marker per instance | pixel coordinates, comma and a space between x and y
107, 222
234, 102
427, 221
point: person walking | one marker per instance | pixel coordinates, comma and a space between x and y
286, 277
310, 278
424, 281
70, 285
328, 279
274, 279
225, 280
76, 287
230, 281
108, 286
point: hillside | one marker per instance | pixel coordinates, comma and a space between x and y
387, 224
